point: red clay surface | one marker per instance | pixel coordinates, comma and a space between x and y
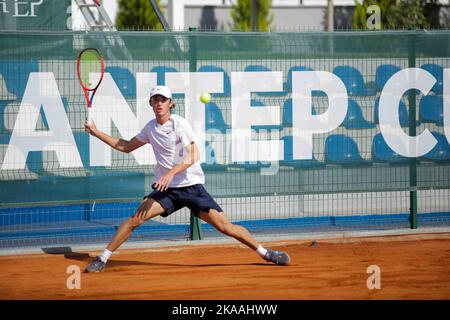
412, 267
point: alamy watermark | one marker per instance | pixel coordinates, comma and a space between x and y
374, 20
374, 280
74, 278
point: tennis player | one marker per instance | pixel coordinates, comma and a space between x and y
179, 179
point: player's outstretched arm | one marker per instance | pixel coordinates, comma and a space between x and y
116, 143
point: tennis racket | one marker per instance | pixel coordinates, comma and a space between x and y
90, 61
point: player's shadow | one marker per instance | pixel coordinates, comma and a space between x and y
68, 253
126, 263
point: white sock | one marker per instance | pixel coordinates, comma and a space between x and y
261, 251
105, 256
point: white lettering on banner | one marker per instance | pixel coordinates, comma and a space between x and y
41, 91
20, 13
193, 84
446, 103
244, 116
395, 137
144, 81
110, 106
4, 8
16, 8
304, 123
33, 5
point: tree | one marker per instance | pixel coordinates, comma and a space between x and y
397, 14
137, 14
241, 14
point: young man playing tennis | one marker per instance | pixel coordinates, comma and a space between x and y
179, 179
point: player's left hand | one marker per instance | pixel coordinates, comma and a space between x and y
163, 183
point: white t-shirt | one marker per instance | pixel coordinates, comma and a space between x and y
168, 142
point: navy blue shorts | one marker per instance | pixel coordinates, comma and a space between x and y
195, 197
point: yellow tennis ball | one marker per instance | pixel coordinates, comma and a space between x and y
205, 97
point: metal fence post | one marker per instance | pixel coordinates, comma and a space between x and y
195, 223
412, 132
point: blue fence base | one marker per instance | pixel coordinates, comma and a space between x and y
84, 223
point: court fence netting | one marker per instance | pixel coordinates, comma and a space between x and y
301, 163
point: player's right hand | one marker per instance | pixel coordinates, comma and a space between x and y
89, 127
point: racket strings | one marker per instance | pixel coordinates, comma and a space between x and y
90, 68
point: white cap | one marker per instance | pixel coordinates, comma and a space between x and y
162, 90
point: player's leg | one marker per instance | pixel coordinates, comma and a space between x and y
219, 221
149, 208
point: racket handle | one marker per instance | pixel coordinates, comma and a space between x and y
89, 115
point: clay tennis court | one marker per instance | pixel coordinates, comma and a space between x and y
412, 267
